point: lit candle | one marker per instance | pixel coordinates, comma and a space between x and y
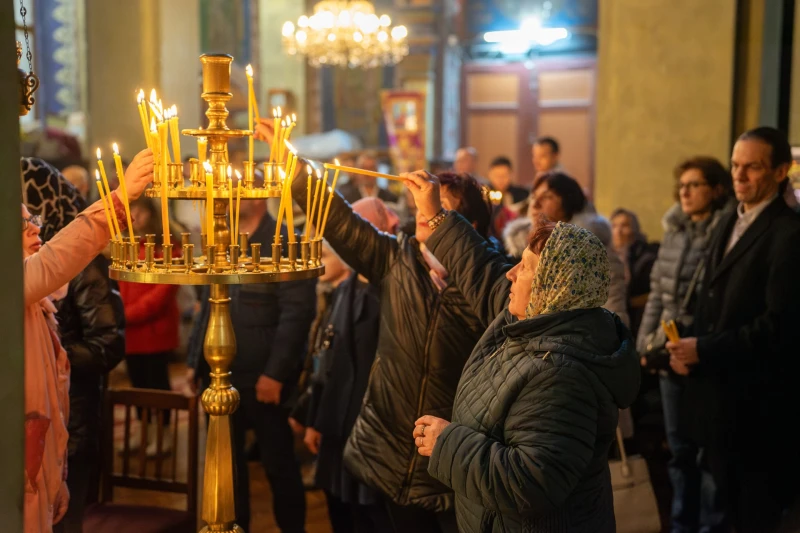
103, 199
282, 205
250, 101
282, 141
143, 116
155, 107
330, 198
209, 204
309, 215
252, 92
162, 135
321, 200
124, 189
117, 232
176, 138
238, 204
230, 204
314, 203
292, 123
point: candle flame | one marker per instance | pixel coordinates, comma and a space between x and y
283, 123
207, 166
309, 170
174, 110
290, 147
116, 149
140, 96
153, 96
279, 112
238, 175
97, 175
274, 113
99, 157
294, 117
153, 124
319, 173
229, 172
249, 70
337, 162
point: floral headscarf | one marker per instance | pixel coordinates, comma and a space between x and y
573, 273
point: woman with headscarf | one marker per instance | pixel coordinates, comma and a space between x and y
45, 269
536, 409
90, 326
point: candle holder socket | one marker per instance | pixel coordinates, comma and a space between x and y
133, 255
316, 251
186, 238
249, 175
167, 258
291, 248
305, 254
255, 252
276, 255
150, 238
234, 257
211, 252
149, 256
195, 172
243, 237
175, 175
188, 257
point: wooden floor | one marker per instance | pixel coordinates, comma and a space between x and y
262, 520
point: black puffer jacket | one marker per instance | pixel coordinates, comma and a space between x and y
91, 324
425, 337
684, 245
536, 408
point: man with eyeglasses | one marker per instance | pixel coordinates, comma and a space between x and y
742, 361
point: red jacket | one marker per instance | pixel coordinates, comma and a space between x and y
152, 319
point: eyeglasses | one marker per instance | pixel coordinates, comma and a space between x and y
692, 185
36, 220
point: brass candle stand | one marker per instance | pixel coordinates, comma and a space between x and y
224, 263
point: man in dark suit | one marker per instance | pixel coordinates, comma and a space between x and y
365, 186
742, 364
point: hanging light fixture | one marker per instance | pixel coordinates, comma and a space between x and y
28, 83
345, 33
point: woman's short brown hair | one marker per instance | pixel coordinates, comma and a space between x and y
537, 238
714, 174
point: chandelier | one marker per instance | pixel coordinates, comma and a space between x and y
346, 33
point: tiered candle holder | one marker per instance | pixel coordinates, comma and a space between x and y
226, 262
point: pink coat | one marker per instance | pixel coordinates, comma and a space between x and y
46, 364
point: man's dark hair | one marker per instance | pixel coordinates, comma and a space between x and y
549, 141
573, 201
471, 202
501, 161
714, 174
776, 139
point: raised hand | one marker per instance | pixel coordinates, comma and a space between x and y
139, 173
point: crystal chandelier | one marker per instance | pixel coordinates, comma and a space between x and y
346, 33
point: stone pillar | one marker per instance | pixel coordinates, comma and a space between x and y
665, 78
277, 69
12, 399
144, 44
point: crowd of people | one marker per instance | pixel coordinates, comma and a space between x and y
464, 364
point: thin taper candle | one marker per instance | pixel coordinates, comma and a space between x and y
330, 199
230, 205
283, 201
314, 203
174, 131
143, 117
321, 200
309, 215
209, 205
250, 100
238, 204
105, 206
124, 189
162, 135
117, 232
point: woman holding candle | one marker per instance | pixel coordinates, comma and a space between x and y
45, 269
427, 329
526, 445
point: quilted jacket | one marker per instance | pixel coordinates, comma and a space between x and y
425, 337
536, 408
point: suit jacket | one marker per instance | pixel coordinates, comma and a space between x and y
748, 311
352, 194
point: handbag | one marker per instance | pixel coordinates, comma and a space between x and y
635, 506
656, 355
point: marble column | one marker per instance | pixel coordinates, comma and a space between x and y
665, 92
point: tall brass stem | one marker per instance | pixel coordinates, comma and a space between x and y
220, 401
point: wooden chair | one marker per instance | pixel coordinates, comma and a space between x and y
146, 474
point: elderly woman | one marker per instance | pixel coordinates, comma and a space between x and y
47, 268
536, 408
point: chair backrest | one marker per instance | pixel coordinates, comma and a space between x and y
160, 472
